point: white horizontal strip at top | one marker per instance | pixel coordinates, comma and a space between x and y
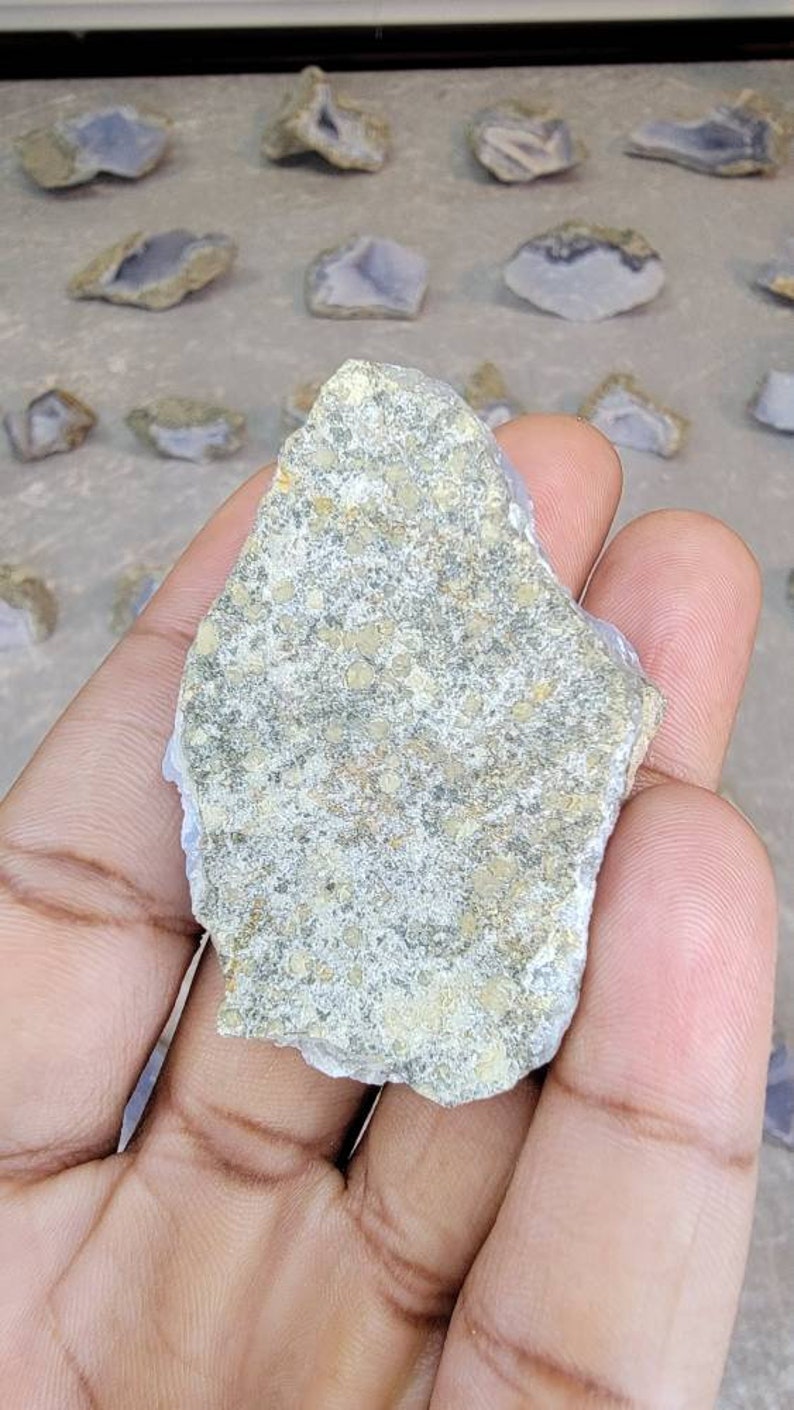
230, 14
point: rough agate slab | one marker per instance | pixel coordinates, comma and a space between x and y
367, 277
53, 423
123, 141
179, 428
401, 747
745, 138
773, 403
585, 272
621, 410
28, 609
486, 393
314, 119
518, 142
155, 271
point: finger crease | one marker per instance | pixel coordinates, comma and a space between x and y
647, 1125
521, 1366
247, 1152
418, 1294
173, 635
79, 871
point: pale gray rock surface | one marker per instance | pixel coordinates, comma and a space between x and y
368, 276
486, 393
517, 141
773, 402
585, 272
747, 138
135, 589
122, 140
28, 609
621, 410
401, 747
154, 271
180, 428
55, 422
313, 118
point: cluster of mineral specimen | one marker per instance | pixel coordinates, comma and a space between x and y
367, 277
401, 747
179, 428
154, 271
313, 119
518, 142
630, 417
28, 609
135, 589
745, 138
773, 402
54, 422
486, 393
585, 272
122, 140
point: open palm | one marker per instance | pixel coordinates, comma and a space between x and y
579, 1243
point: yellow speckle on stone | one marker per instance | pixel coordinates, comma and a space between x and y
324, 973
353, 936
468, 924
368, 639
283, 590
255, 759
213, 816
235, 675
254, 664
471, 705
199, 735
322, 505
315, 600
491, 879
542, 691
299, 963
238, 594
389, 782
526, 594
476, 625
378, 728
331, 636
207, 638
522, 711
282, 480
491, 1066
496, 995
334, 732
461, 826
355, 976
229, 1020
401, 664
491, 530
360, 675
447, 494
407, 496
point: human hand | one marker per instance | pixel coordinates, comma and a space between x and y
579, 1243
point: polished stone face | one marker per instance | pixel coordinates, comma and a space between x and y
401, 748
584, 272
122, 141
621, 410
367, 277
517, 142
179, 428
155, 271
747, 138
773, 403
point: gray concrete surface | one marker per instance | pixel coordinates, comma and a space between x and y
80, 520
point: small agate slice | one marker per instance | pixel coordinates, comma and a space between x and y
51, 424
123, 141
179, 428
518, 142
28, 609
630, 417
747, 138
367, 277
585, 272
154, 271
314, 119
